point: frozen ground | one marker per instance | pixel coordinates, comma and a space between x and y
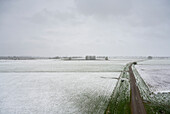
156, 73
58, 93
57, 87
61, 66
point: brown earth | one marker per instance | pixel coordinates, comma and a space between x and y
137, 106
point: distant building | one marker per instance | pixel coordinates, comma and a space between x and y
55, 57
66, 58
149, 57
90, 57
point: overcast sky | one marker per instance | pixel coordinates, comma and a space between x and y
84, 27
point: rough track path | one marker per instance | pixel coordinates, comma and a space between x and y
137, 106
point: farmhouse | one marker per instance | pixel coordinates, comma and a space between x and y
90, 57
149, 57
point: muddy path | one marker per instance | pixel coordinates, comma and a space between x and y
136, 102
126, 98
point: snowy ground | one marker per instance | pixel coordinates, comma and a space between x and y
61, 66
156, 73
57, 87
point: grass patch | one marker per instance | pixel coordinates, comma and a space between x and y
120, 99
152, 108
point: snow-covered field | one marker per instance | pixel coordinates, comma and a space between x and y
156, 73
57, 87
61, 66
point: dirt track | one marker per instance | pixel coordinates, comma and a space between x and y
137, 106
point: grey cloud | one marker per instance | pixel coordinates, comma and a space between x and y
103, 7
51, 17
136, 12
80, 27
